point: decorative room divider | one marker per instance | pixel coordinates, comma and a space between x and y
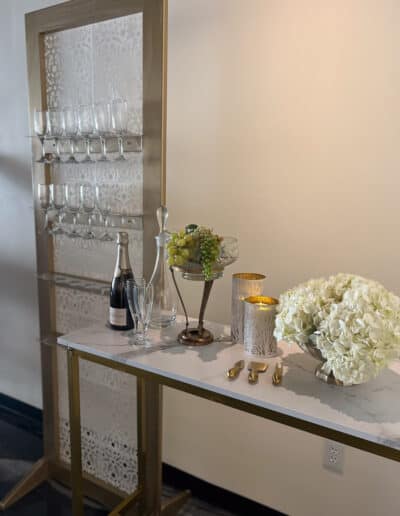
97, 74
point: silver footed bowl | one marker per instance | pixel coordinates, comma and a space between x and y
228, 255
310, 347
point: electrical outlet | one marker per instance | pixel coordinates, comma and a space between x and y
333, 456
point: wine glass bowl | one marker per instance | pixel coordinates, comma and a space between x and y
103, 125
103, 203
56, 128
119, 123
86, 128
40, 126
44, 197
88, 203
71, 130
73, 200
58, 200
140, 300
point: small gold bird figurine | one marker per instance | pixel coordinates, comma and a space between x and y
234, 371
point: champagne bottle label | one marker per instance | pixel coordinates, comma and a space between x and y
118, 316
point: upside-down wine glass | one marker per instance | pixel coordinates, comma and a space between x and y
56, 129
140, 298
73, 197
40, 127
103, 125
86, 128
44, 197
71, 131
119, 121
103, 202
88, 202
58, 201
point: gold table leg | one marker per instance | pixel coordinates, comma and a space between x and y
75, 433
149, 396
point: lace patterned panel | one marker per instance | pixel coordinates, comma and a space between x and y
99, 62
93, 258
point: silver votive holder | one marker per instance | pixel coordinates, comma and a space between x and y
244, 284
259, 325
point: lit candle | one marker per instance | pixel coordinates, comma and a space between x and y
244, 284
259, 325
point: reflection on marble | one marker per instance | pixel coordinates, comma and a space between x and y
369, 411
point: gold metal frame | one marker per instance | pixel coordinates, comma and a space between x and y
76, 13
292, 421
148, 494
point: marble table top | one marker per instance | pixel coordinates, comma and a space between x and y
370, 411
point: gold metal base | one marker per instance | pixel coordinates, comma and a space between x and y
195, 337
173, 505
38, 474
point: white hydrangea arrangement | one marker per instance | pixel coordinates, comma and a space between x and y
353, 321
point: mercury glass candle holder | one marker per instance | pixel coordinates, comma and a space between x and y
259, 325
244, 284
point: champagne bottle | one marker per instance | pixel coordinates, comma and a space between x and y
120, 317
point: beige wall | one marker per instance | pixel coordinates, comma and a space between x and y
283, 129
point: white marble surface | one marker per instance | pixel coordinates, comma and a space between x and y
370, 411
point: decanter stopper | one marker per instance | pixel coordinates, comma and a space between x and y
162, 217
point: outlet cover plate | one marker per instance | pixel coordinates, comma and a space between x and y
333, 456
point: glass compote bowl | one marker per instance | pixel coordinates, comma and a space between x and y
229, 253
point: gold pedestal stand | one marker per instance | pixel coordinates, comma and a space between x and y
199, 336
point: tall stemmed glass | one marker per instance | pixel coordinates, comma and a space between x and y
58, 201
71, 131
103, 201
73, 197
119, 121
56, 129
40, 127
103, 125
86, 128
142, 296
44, 197
88, 202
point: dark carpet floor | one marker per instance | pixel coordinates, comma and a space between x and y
20, 448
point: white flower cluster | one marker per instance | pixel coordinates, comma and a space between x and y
353, 321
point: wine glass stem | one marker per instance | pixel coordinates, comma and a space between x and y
57, 142
121, 147
43, 149
103, 147
72, 147
87, 141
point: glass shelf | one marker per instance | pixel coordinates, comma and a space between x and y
101, 288
133, 143
116, 220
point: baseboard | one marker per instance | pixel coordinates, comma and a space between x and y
21, 415
29, 418
214, 495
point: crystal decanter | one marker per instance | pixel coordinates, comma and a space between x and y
165, 300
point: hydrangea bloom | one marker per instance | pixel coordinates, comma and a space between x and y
353, 321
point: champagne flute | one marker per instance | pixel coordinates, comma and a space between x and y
103, 202
88, 206
73, 198
40, 125
71, 131
44, 197
58, 201
56, 129
119, 122
103, 126
142, 294
86, 128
